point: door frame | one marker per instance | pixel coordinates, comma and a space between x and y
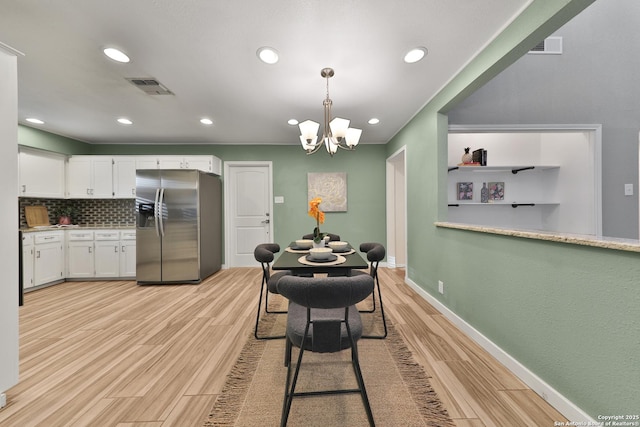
397, 210
228, 198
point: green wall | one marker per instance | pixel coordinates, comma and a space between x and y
568, 313
364, 220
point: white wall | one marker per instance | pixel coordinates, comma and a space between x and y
8, 221
572, 185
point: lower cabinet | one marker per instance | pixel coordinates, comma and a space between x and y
48, 257
28, 254
101, 254
80, 254
107, 257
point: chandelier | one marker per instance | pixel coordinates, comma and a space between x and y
336, 133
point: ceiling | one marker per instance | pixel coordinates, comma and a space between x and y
204, 52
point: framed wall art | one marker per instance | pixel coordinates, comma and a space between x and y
331, 187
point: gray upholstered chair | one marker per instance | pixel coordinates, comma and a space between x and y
263, 253
332, 237
323, 318
375, 254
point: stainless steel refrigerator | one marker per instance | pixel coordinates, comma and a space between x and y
179, 226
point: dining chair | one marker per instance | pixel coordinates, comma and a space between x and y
375, 254
263, 253
332, 237
323, 318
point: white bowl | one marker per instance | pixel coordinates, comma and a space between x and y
320, 253
338, 246
304, 243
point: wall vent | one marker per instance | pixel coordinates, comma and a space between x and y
149, 85
548, 46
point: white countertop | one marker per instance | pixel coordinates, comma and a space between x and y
76, 227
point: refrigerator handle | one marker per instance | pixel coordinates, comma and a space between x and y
160, 212
156, 209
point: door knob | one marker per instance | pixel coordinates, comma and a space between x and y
266, 221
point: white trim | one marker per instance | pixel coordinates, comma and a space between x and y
597, 151
400, 154
227, 202
548, 393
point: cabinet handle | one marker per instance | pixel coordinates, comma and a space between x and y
89, 249
115, 249
37, 254
123, 249
24, 188
133, 191
48, 237
88, 191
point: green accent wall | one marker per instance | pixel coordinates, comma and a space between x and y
568, 313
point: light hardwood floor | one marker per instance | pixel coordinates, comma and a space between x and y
117, 354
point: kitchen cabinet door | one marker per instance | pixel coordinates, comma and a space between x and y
124, 177
41, 174
128, 258
28, 257
90, 177
80, 259
49, 258
107, 258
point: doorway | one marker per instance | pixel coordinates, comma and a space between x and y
397, 210
248, 205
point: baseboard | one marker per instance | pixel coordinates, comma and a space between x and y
548, 393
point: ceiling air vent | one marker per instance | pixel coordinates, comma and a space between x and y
549, 46
149, 85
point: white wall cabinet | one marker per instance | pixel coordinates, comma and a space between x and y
204, 163
41, 173
48, 257
90, 177
124, 177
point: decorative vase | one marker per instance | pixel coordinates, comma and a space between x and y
467, 157
319, 245
484, 193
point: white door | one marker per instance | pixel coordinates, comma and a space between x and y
248, 210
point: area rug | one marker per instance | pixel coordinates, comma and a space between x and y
398, 388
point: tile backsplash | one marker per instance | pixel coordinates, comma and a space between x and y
107, 212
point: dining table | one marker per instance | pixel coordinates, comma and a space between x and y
297, 260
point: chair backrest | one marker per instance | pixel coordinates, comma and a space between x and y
332, 237
375, 251
264, 252
326, 292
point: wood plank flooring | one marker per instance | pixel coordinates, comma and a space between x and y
117, 354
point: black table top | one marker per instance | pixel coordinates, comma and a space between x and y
289, 261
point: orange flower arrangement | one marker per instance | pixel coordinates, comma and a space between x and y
315, 212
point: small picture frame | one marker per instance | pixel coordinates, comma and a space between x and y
496, 191
465, 191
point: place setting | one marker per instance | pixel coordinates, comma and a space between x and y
321, 256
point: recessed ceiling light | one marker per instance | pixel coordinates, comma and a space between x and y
124, 121
292, 122
415, 55
206, 121
115, 54
268, 55
35, 121
373, 121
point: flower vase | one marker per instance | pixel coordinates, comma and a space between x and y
318, 245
